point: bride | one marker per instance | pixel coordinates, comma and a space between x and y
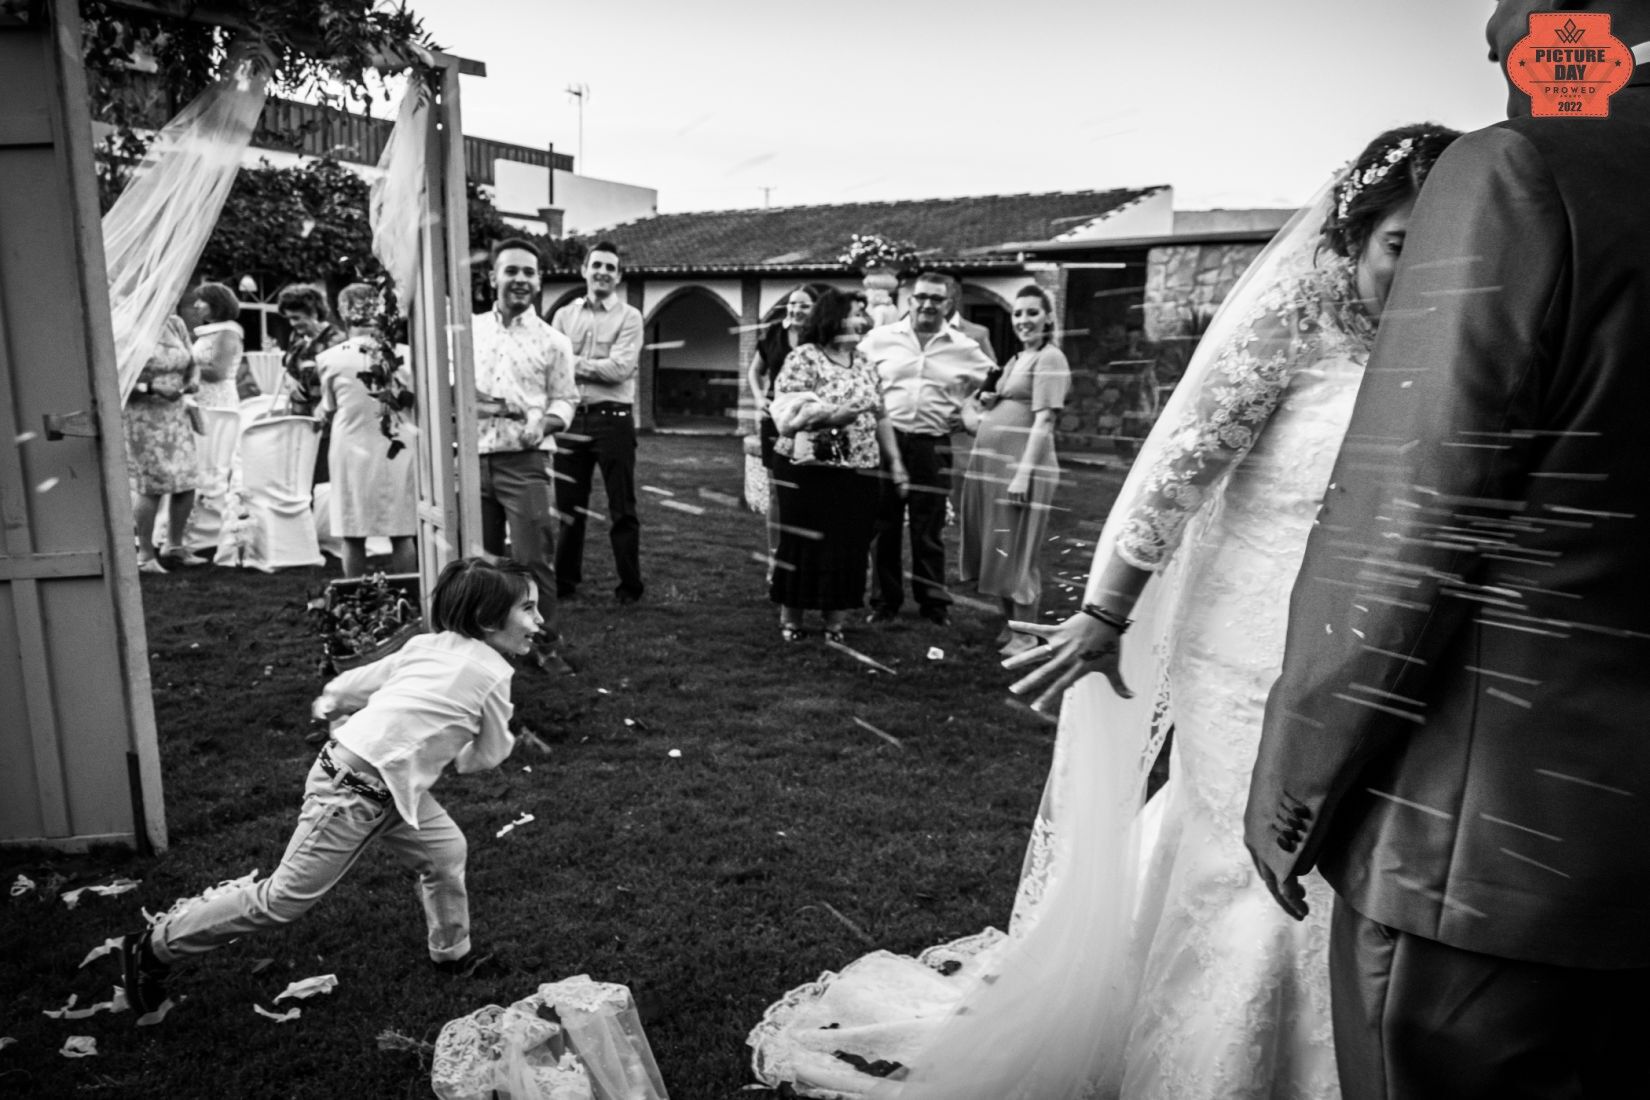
1144, 957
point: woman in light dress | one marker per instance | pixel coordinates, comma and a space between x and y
1012, 471
215, 312
1146, 959
373, 494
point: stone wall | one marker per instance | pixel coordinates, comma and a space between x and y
1133, 332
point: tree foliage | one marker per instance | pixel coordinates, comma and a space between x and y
328, 51
285, 225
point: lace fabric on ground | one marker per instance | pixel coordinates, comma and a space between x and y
571, 1040
154, 234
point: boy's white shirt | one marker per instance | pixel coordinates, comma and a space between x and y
442, 698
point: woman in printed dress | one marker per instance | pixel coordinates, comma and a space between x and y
827, 463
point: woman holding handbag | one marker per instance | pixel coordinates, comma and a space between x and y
832, 438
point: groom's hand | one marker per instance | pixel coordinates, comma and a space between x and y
1289, 892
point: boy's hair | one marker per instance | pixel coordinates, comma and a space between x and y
473, 595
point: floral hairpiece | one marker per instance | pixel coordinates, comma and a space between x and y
1357, 182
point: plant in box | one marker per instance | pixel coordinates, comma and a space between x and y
365, 618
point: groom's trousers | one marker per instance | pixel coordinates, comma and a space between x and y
1416, 1019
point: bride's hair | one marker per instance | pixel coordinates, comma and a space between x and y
1389, 171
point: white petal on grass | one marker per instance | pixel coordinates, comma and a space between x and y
308, 987
279, 1017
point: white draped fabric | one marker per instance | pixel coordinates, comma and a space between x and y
396, 206
154, 234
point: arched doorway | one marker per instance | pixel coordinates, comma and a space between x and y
985, 308
691, 355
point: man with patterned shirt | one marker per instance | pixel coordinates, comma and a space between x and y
606, 333
928, 369
524, 394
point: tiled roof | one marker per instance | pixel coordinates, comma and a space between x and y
941, 229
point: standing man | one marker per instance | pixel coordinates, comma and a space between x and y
928, 369
606, 334
1458, 737
524, 394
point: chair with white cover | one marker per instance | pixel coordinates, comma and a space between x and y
275, 528
215, 458
266, 369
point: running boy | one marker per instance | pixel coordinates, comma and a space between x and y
443, 698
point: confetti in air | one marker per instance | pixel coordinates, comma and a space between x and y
690, 509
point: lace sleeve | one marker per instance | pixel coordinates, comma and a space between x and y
1217, 427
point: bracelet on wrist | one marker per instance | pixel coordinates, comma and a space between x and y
1110, 618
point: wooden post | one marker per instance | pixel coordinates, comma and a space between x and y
449, 472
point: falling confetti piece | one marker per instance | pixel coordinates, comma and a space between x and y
115, 1003
21, 885
665, 345
935, 653
848, 924
261, 965
24, 437
719, 498
6, 1041
888, 737
603, 691
690, 509
309, 987
656, 489
307, 227
278, 1017
46, 487
522, 820
79, 1046
674, 754
527, 767
876, 666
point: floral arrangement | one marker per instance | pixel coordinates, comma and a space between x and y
872, 250
362, 620
384, 377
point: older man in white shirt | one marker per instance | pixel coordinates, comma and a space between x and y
525, 393
928, 369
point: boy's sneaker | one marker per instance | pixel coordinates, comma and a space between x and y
144, 975
477, 964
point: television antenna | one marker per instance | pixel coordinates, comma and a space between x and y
581, 92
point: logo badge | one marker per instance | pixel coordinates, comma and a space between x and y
1569, 64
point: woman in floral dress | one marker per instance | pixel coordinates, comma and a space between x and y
832, 439
160, 445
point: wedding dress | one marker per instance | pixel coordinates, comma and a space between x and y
1145, 958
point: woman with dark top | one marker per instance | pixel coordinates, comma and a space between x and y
833, 435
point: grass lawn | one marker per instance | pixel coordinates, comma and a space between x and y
785, 840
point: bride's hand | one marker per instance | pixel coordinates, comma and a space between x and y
1080, 645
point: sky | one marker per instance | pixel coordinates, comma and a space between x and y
1236, 103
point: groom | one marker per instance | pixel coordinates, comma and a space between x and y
1460, 736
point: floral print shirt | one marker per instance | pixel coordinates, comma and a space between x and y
529, 366
807, 370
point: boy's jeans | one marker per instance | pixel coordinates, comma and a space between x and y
336, 823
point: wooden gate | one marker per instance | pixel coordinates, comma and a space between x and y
78, 758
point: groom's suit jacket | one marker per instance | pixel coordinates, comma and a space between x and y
1460, 736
